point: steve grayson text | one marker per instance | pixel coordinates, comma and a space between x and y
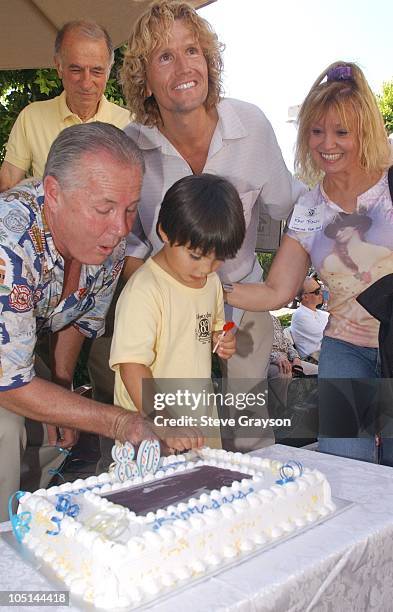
209, 421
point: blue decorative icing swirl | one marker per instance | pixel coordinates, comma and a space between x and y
20, 523
289, 471
64, 507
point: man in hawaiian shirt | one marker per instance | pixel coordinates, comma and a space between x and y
61, 252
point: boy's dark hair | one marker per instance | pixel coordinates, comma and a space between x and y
203, 212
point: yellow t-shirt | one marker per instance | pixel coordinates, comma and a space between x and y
165, 326
168, 327
37, 126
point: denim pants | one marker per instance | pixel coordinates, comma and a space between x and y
349, 393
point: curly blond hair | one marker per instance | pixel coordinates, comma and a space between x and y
152, 30
355, 104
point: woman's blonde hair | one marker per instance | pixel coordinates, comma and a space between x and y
152, 30
343, 87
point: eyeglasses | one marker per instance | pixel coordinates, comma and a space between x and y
315, 292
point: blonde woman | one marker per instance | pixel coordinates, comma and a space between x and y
344, 226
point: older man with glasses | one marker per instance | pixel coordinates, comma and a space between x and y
308, 321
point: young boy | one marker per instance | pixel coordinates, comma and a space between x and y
171, 310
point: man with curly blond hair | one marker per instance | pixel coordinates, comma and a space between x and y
171, 78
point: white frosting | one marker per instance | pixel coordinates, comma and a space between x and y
112, 557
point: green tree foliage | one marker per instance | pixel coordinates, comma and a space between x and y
285, 319
385, 103
18, 88
265, 260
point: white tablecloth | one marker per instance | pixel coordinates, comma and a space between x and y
342, 565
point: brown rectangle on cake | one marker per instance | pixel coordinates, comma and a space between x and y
171, 490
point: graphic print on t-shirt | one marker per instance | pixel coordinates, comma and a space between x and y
351, 252
203, 327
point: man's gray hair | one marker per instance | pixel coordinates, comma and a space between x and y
89, 29
73, 143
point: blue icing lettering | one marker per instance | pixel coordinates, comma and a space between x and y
185, 514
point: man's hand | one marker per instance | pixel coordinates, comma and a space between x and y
132, 427
68, 437
227, 344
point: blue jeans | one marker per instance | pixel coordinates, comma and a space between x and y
348, 406
339, 359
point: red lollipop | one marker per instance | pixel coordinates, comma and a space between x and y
227, 326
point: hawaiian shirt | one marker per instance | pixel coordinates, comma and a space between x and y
31, 282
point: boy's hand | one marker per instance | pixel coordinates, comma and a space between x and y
183, 438
227, 344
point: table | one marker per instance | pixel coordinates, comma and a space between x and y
341, 565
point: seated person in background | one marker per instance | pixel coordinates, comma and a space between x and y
285, 364
284, 358
171, 310
308, 322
